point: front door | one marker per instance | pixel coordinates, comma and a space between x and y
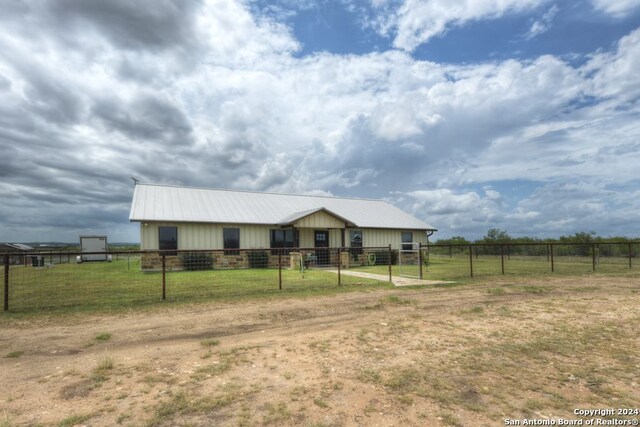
322, 246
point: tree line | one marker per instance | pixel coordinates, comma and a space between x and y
578, 244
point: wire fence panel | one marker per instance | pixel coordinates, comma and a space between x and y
451, 261
409, 261
335, 267
571, 259
104, 284
443, 267
615, 257
211, 284
48, 280
526, 260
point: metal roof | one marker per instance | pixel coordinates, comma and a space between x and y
18, 246
166, 203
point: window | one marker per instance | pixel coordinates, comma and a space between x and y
355, 237
407, 239
231, 237
168, 239
287, 238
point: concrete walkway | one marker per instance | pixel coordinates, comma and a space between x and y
397, 281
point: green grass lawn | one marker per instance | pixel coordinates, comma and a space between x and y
121, 284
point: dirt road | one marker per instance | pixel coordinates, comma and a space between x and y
469, 355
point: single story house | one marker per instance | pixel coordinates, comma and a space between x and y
185, 218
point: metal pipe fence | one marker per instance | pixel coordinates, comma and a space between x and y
56, 280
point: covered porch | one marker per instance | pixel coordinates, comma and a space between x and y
317, 231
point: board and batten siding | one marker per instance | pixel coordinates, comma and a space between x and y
375, 237
306, 237
190, 236
209, 236
319, 220
372, 237
206, 236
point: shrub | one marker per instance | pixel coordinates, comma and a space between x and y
194, 261
258, 259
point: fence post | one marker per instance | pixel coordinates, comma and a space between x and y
502, 257
471, 259
450, 251
593, 256
6, 283
629, 255
280, 270
339, 262
390, 279
420, 257
551, 254
164, 282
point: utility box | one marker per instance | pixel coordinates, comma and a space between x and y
89, 245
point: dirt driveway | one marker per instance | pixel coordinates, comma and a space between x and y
462, 355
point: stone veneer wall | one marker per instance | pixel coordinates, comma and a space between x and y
224, 262
153, 261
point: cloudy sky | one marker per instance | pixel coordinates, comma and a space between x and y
470, 114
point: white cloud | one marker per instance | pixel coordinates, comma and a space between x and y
615, 73
581, 137
445, 201
231, 106
394, 122
579, 206
543, 24
417, 21
617, 8
235, 38
454, 213
551, 210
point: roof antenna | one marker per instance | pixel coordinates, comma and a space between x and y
135, 181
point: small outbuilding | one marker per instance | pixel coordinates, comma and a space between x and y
18, 252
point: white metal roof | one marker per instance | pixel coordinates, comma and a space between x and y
18, 246
186, 204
